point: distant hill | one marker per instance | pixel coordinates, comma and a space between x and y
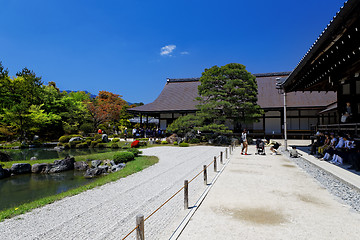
91, 95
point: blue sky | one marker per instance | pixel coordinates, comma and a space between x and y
131, 47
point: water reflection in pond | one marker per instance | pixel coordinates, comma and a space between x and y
20, 189
50, 153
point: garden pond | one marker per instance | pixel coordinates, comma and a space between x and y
25, 188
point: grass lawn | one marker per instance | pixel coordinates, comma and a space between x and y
134, 166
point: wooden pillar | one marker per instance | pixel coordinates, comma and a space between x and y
205, 175
215, 165
140, 234
186, 194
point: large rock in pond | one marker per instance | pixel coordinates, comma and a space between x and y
4, 157
41, 168
75, 139
62, 165
20, 168
81, 166
4, 172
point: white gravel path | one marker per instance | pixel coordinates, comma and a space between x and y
108, 212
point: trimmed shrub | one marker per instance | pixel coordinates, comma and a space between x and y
101, 145
93, 144
183, 144
114, 145
135, 151
135, 144
64, 139
74, 143
66, 145
81, 145
164, 142
158, 141
144, 139
98, 136
123, 157
60, 144
143, 144
194, 140
126, 147
115, 140
175, 143
88, 142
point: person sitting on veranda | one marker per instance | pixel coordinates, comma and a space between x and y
294, 153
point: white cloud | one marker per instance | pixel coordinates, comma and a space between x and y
185, 53
167, 50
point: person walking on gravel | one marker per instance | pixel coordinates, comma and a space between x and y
244, 142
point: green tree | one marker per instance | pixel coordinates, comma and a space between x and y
22, 92
227, 93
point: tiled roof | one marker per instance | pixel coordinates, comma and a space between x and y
269, 97
179, 95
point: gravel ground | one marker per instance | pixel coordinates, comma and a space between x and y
342, 190
109, 211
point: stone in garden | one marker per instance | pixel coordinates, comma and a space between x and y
63, 165
75, 139
112, 163
20, 168
189, 135
118, 167
95, 163
59, 148
33, 158
104, 138
173, 138
107, 162
103, 168
81, 166
221, 140
4, 173
39, 167
93, 172
4, 157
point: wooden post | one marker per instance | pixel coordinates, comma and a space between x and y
230, 149
215, 167
140, 234
186, 194
221, 157
226, 154
205, 175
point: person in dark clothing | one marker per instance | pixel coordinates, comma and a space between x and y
320, 139
354, 158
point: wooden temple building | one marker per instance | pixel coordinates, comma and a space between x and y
178, 98
333, 64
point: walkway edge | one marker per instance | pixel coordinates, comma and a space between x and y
341, 174
187, 218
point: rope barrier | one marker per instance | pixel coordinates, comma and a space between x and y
171, 197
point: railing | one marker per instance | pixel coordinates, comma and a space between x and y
140, 220
350, 127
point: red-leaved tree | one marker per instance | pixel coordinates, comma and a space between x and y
106, 108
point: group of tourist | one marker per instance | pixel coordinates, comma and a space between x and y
337, 149
148, 133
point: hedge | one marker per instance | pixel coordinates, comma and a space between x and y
123, 157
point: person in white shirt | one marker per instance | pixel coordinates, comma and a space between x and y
244, 142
